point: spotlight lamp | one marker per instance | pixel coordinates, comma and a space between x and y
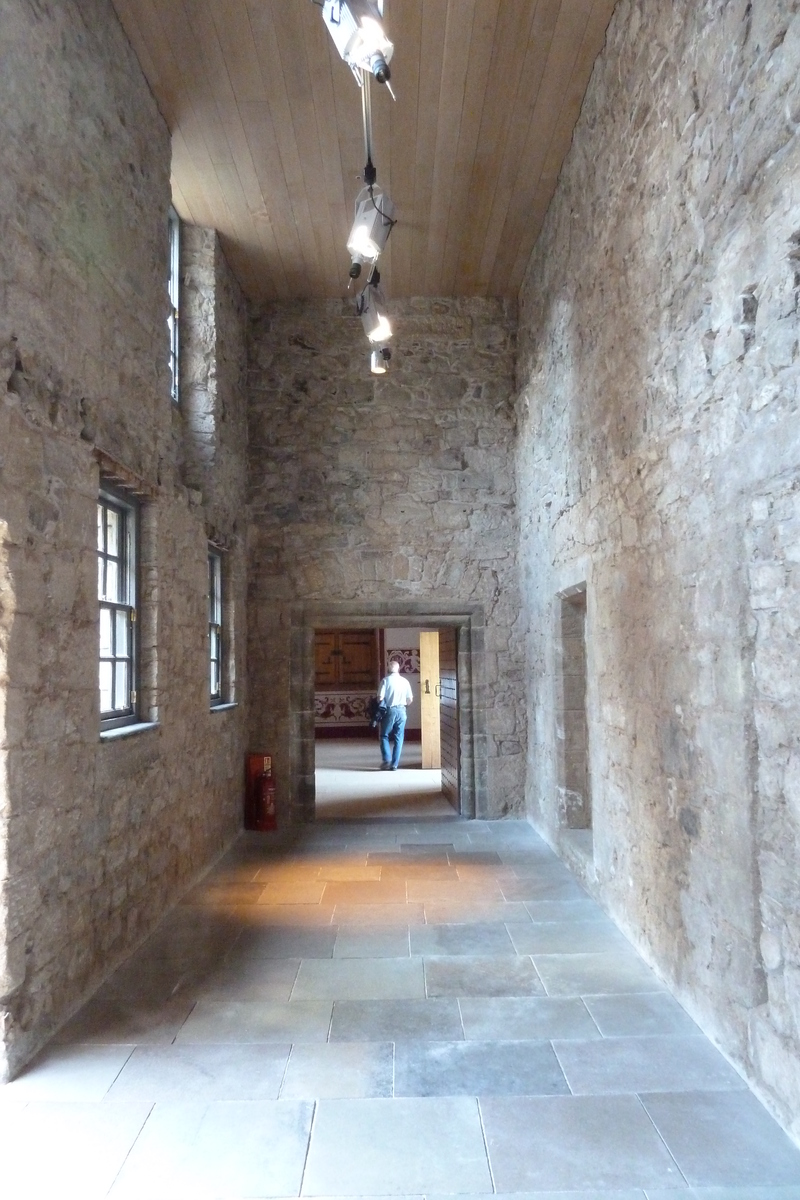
356, 27
371, 228
379, 360
371, 307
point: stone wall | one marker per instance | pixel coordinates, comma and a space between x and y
658, 464
97, 838
389, 498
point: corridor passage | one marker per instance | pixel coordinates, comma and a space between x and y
429, 1008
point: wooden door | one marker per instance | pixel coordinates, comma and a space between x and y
357, 658
344, 659
429, 700
448, 693
325, 660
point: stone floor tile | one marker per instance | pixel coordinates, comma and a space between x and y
477, 1069
251, 1021
285, 916
195, 1151
339, 1071
574, 1142
360, 979
391, 891
304, 891
482, 976
568, 937
611, 972
641, 1014
204, 1072
724, 1138
396, 1020
455, 892
349, 873
476, 858
379, 914
287, 942
364, 941
412, 868
628, 1194
645, 1064
218, 895
394, 1147
114, 1017
420, 848
66, 1151
584, 909
440, 940
443, 912
244, 975
525, 1018
733, 1193
60, 1073
558, 887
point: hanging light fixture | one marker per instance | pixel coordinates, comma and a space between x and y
371, 307
356, 27
373, 223
379, 360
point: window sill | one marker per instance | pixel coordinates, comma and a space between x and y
229, 704
123, 731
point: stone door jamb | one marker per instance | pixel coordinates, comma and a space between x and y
470, 626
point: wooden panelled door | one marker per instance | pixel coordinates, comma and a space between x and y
429, 699
344, 659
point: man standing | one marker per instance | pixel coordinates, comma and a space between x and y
395, 693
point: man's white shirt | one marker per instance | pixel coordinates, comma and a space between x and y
395, 689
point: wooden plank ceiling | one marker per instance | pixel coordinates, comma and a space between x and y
268, 144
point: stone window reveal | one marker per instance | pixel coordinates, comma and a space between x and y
116, 591
174, 299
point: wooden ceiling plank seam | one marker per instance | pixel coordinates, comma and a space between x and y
402, 124
527, 135
253, 194
241, 240
561, 141
310, 132
461, 16
205, 172
234, 35
260, 133
459, 230
434, 21
553, 94
512, 51
234, 43
185, 167
266, 40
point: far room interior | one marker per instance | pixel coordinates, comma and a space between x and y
349, 667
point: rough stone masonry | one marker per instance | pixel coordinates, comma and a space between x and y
97, 838
658, 465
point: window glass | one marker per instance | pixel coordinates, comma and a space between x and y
116, 591
215, 625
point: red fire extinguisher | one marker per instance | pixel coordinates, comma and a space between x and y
260, 812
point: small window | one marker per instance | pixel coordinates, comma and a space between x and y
174, 296
215, 645
116, 591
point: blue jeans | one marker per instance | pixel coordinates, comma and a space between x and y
393, 726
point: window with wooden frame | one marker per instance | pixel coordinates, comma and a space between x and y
117, 533
215, 619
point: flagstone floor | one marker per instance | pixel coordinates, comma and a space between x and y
396, 1007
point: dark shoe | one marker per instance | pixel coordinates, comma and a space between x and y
393, 768
386, 766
